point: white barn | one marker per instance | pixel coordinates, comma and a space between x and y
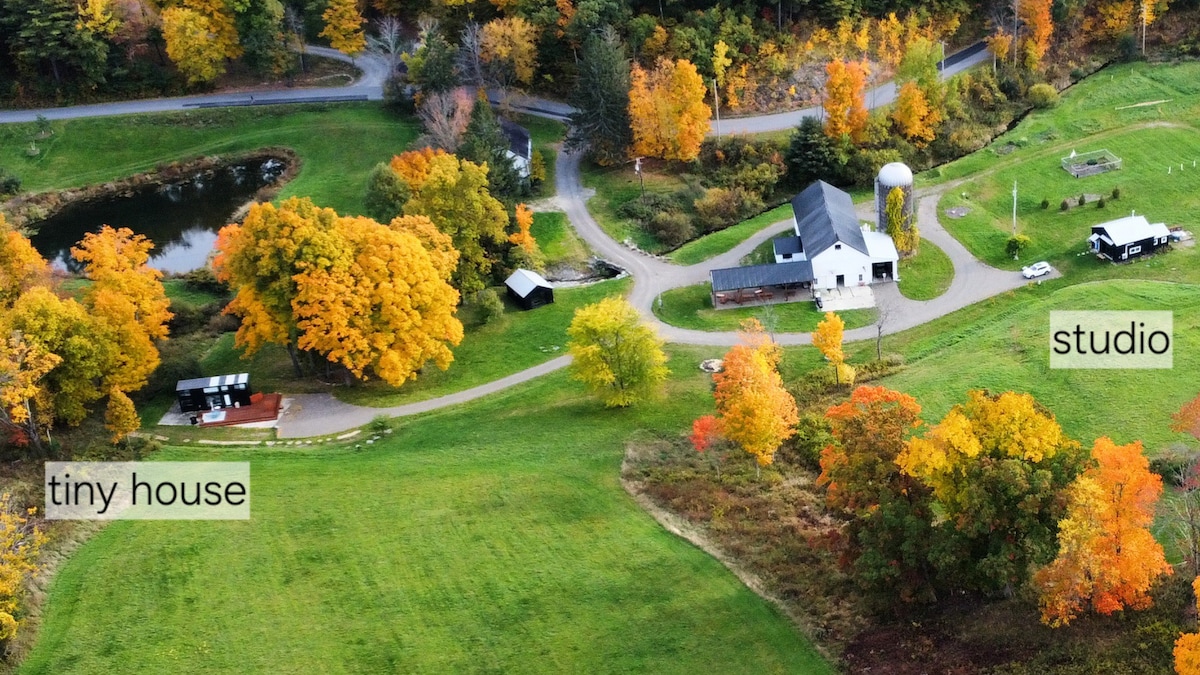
829, 237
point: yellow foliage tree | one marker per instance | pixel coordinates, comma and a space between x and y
96, 16
913, 115
511, 44
845, 107
1000, 44
24, 406
827, 338
344, 27
191, 44
720, 61
1187, 647
755, 409
1039, 26
617, 357
120, 417
1107, 557
667, 110
889, 47
21, 266
20, 543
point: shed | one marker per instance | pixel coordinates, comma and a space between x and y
213, 393
528, 289
1128, 237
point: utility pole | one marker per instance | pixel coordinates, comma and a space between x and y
1143, 27
1014, 208
717, 107
1016, 14
637, 168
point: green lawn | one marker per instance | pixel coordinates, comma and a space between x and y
339, 145
1005, 345
716, 243
557, 238
764, 253
691, 307
1147, 138
493, 537
518, 341
927, 274
179, 293
546, 134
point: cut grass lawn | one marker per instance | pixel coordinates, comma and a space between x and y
557, 238
339, 145
691, 307
180, 293
1147, 138
716, 243
764, 253
518, 341
927, 274
490, 537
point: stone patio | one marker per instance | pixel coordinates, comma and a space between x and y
847, 297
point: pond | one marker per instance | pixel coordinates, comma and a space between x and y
181, 218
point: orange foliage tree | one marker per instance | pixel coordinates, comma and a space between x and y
1187, 647
845, 106
1107, 557
667, 110
1039, 26
755, 409
913, 115
888, 536
343, 27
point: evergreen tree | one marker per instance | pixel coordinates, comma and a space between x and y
810, 155
484, 142
431, 68
601, 98
260, 31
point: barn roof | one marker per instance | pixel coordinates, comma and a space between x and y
825, 216
523, 282
518, 138
754, 276
214, 381
1130, 229
786, 245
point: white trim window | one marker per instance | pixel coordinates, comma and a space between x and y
1134, 250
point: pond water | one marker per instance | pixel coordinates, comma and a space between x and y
181, 218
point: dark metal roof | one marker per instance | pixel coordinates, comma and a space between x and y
779, 274
786, 245
824, 216
518, 138
214, 381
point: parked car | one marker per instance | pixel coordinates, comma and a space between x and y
1037, 269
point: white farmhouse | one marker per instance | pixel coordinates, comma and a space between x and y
829, 237
520, 146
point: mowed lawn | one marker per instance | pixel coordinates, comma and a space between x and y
1010, 350
339, 145
1094, 115
488, 538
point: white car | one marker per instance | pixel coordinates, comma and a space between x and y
1037, 269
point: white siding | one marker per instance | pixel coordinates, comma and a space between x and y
831, 262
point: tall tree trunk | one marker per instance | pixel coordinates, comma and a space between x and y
291, 349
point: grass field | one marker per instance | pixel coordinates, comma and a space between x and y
927, 274
339, 145
489, 538
691, 307
557, 238
518, 341
1093, 115
716, 243
616, 185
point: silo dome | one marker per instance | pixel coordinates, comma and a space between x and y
896, 174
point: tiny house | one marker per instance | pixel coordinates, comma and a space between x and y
528, 289
1127, 238
213, 393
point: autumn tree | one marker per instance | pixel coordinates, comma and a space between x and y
530, 254
21, 266
827, 338
845, 107
914, 117
445, 116
190, 44
667, 111
900, 225
25, 408
1187, 647
889, 534
261, 35
20, 543
453, 194
120, 417
1000, 45
997, 467
755, 409
1039, 26
344, 27
1107, 557
706, 436
600, 123
616, 356
96, 16
510, 49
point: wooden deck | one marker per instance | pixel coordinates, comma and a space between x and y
264, 410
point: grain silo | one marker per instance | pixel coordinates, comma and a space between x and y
894, 175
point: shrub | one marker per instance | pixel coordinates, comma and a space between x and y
1015, 245
1043, 95
9, 184
1045, 204
644, 208
1082, 200
490, 306
721, 207
386, 194
812, 435
1116, 193
1174, 464
203, 280
1100, 203
671, 228
1065, 205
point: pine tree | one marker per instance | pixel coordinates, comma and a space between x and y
601, 99
484, 142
